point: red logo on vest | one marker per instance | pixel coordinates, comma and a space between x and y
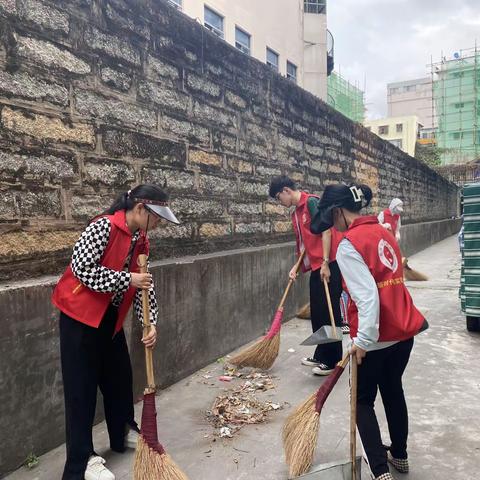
387, 255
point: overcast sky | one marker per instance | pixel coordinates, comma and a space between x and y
392, 40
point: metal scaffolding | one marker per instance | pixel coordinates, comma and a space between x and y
456, 102
346, 98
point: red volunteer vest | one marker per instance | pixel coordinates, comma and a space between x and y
388, 217
306, 239
399, 319
87, 306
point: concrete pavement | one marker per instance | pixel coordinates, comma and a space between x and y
442, 385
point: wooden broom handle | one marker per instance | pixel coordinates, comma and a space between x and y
330, 309
142, 262
353, 415
290, 282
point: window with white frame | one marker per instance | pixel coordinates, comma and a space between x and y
292, 71
315, 6
213, 21
399, 127
272, 59
242, 40
383, 130
176, 3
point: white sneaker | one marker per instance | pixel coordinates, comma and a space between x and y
131, 439
96, 469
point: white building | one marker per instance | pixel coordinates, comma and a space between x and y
412, 97
289, 35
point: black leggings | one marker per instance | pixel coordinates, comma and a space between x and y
329, 353
383, 369
91, 358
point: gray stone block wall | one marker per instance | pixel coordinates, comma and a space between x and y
96, 96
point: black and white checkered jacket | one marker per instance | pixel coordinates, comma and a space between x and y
86, 267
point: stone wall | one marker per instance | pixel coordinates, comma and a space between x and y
99, 95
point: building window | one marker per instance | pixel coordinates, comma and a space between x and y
176, 3
399, 127
397, 143
383, 130
459, 105
457, 135
242, 40
457, 74
315, 6
292, 71
410, 88
213, 21
272, 59
394, 90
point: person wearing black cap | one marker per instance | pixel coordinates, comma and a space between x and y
383, 319
94, 296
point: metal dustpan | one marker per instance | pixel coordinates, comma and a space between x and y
325, 334
328, 333
334, 471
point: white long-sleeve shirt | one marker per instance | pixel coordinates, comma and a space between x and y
364, 292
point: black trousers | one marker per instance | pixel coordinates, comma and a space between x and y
91, 358
329, 353
383, 369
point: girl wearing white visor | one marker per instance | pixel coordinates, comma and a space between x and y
94, 296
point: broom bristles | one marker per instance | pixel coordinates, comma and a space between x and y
411, 274
304, 312
300, 436
261, 354
150, 465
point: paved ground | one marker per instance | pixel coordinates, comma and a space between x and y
442, 385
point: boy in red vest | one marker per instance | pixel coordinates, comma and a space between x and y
390, 217
94, 296
383, 321
320, 260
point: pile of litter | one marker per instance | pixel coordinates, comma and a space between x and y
240, 406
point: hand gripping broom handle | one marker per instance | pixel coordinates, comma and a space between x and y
142, 262
290, 282
330, 310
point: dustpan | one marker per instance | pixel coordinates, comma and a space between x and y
328, 333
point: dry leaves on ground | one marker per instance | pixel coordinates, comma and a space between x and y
240, 406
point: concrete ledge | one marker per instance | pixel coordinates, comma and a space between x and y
419, 236
209, 305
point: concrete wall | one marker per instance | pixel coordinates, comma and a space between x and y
418, 236
96, 96
209, 305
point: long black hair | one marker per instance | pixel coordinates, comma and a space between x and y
352, 197
125, 200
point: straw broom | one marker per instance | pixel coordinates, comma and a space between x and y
411, 274
304, 312
151, 460
300, 432
263, 353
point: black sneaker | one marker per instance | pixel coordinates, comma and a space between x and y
345, 329
322, 369
310, 362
